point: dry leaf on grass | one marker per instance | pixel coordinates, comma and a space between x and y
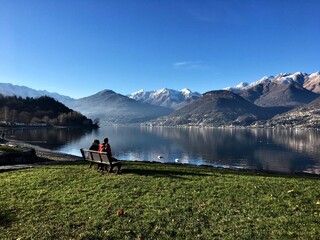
120, 212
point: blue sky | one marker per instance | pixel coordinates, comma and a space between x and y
79, 47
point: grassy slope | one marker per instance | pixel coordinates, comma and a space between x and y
8, 149
156, 201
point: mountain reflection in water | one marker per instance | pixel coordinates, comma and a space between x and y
275, 150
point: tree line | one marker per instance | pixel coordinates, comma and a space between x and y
43, 110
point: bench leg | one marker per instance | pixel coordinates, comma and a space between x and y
99, 167
103, 168
118, 165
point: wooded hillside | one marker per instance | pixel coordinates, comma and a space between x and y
42, 110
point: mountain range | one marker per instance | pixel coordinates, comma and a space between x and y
286, 90
8, 89
308, 81
111, 108
218, 108
114, 108
290, 100
266, 101
166, 97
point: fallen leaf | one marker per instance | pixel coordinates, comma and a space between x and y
290, 191
318, 202
120, 212
203, 205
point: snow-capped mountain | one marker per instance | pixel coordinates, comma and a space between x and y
285, 90
217, 108
112, 107
313, 82
8, 89
303, 79
237, 88
166, 97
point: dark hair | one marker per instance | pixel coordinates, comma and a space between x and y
106, 140
96, 141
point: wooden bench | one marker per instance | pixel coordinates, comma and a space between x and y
101, 159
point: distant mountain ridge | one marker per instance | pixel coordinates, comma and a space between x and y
240, 105
166, 97
8, 89
216, 108
286, 90
114, 108
308, 81
108, 106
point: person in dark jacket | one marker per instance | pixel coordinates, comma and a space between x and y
95, 147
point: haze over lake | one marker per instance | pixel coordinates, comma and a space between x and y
274, 150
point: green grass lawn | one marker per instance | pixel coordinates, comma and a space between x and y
156, 201
9, 149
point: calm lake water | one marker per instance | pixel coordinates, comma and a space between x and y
285, 151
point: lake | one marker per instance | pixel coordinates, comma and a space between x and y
271, 150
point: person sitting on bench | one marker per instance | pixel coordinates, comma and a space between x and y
95, 147
105, 147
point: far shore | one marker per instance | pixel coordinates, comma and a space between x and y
8, 128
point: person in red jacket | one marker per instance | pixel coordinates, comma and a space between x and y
105, 147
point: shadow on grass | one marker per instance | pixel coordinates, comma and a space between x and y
127, 169
162, 173
6, 217
138, 168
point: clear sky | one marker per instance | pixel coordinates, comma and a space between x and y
79, 47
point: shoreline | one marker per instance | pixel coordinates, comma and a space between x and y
44, 153
45, 156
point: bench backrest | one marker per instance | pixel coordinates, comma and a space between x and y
94, 156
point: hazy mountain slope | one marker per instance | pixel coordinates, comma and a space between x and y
106, 105
111, 107
166, 97
216, 108
8, 89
